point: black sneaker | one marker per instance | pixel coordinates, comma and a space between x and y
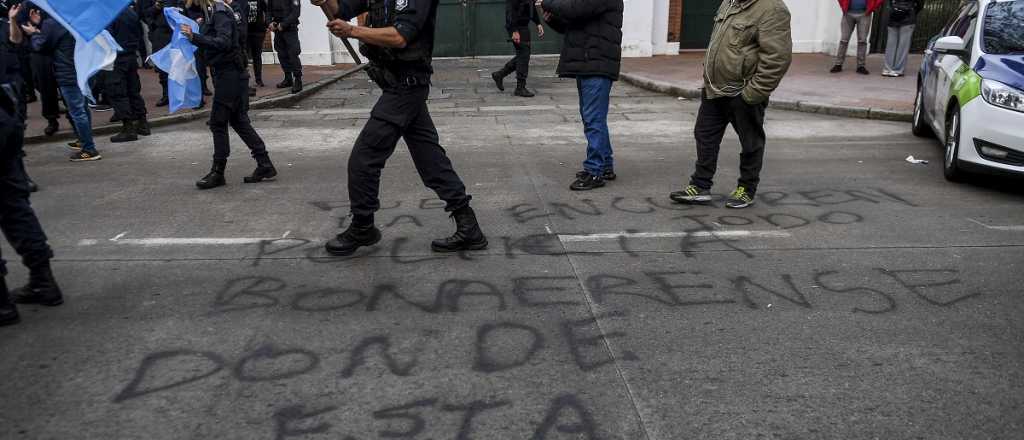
691, 194
355, 237
863, 70
607, 175
586, 182
85, 156
740, 198
75, 146
836, 68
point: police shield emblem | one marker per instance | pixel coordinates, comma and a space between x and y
400, 5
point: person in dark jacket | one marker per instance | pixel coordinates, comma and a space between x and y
123, 86
48, 36
198, 11
256, 35
902, 19
591, 53
518, 15
17, 219
284, 23
222, 38
159, 37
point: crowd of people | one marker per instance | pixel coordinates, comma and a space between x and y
47, 64
398, 41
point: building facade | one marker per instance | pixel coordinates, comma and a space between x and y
650, 27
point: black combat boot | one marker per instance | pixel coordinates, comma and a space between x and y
142, 127
8, 311
264, 171
52, 127
356, 236
297, 85
41, 288
287, 81
216, 176
521, 90
468, 236
127, 133
499, 78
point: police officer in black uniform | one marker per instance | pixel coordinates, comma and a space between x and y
17, 219
399, 41
122, 84
284, 23
257, 32
224, 42
159, 35
518, 15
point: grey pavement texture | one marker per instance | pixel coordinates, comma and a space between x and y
862, 297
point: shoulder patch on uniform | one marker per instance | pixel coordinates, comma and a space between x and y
400, 5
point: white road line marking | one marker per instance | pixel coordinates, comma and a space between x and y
119, 236
572, 238
548, 228
180, 241
1013, 228
286, 234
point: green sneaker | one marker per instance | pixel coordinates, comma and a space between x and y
740, 199
692, 194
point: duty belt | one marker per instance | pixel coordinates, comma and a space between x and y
387, 79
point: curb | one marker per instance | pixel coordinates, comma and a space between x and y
275, 101
781, 104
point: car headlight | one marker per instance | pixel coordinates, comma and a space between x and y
1002, 95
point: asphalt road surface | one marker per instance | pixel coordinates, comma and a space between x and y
862, 297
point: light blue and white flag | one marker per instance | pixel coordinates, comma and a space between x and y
184, 90
95, 49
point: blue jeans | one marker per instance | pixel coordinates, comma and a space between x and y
594, 96
80, 116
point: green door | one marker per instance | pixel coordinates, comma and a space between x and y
468, 28
697, 23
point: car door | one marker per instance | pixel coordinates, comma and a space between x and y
946, 68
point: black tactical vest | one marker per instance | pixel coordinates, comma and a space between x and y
382, 14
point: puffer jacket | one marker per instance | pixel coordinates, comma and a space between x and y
751, 50
593, 36
913, 7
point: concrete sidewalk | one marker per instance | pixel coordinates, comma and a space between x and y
808, 87
102, 126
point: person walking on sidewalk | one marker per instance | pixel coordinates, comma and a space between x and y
900, 33
50, 37
284, 23
223, 40
856, 15
18, 221
257, 33
518, 15
398, 40
123, 86
751, 50
591, 53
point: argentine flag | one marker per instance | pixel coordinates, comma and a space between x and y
178, 59
95, 48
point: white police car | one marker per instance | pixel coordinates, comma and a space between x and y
971, 89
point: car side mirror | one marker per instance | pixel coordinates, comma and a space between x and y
951, 45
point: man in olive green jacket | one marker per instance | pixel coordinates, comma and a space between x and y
750, 51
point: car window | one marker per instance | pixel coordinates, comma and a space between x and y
962, 26
1003, 29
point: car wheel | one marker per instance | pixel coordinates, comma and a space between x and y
951, 165
919, 125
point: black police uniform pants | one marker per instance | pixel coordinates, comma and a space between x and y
46, 82
124, 89
520, 63
288, 50
713, 118
401, 113
17, 219
255, 46
231, 108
